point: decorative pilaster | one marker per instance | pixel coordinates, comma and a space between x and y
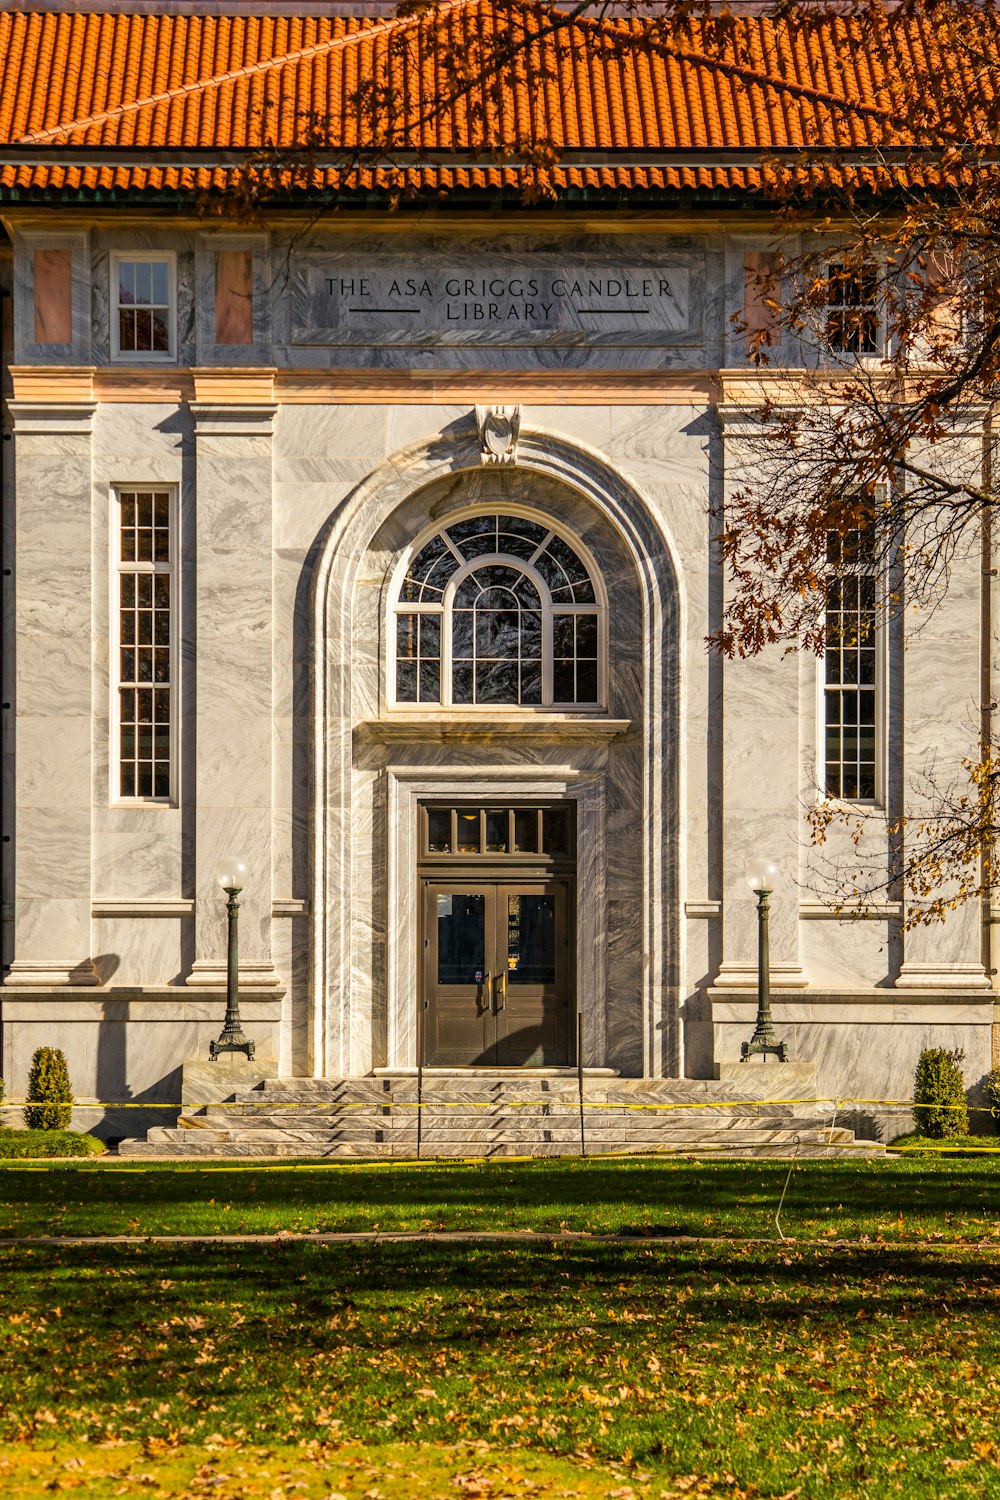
231, 660
941, 699
762, 813
53, 695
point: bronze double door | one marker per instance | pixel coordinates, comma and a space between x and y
497, 974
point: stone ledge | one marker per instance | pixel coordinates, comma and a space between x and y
472, 726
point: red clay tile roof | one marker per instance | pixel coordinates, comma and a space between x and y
127, 102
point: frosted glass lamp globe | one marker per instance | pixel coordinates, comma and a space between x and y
232, 873
762, 874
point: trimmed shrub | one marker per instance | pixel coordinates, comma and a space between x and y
993, 1093
49, 1094
939, 1106
18, 1145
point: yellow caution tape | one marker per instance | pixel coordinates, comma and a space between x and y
567, 1101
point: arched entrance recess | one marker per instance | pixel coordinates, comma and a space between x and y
367, 778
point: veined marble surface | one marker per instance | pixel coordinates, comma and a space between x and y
291, 523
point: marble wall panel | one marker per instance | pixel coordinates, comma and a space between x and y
232, 778
138, 950
137, 852
127, 1057
128, 436
292, 659
345, 431
864, 1060
247, 252
53, 691
51, 297
941, 726
291, 850
857, 953
406, 425
45, 784
51, 931
759, 763
624, 1020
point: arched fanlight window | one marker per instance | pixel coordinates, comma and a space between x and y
498, 609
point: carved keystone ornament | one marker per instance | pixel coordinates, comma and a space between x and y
498, 430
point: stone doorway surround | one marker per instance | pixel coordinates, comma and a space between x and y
370, 768
407, 786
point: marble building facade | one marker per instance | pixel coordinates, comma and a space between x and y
320, 411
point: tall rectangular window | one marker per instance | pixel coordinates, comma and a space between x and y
145, 644
142, 306
851, 669
852, 320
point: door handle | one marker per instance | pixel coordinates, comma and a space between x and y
500, 992
484, 993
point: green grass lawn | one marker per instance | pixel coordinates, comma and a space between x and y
556, 1369
900, 1199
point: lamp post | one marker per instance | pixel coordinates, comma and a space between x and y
761, 877
232, 875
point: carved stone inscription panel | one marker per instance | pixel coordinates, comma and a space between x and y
604, 294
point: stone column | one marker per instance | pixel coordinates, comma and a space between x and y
53, 694
229, 651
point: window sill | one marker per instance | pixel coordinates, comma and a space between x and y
137, 357
488, 724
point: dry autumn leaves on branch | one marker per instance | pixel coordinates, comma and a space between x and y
870, 331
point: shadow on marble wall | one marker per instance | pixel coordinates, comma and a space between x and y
105, 966
302, 796
111, 1086
981, 1121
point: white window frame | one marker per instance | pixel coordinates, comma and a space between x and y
144, 257
466, 566
877, 571
117, 570
863, 356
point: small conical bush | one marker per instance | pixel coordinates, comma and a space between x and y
49, 1095
939, 1105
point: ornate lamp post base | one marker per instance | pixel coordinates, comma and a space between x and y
233, 1041
763, 1044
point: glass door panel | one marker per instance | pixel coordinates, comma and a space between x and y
497, 974
461, 942
531, 939
459, 1027
533, 1021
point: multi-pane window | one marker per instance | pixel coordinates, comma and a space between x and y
143, 306
852, 319
498, 609
851, 668
538, 832
145, 646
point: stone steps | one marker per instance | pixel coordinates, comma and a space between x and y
502, 1131
487, 1116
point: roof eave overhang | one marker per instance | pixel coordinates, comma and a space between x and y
213, 158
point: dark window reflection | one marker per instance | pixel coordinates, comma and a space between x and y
531, 940
461, 939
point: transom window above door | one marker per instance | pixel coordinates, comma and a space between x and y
519, 832
499, 609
